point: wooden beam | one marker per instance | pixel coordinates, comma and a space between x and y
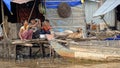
28, 41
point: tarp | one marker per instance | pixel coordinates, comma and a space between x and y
8, 4
106, 7
20, 1
55, 3
116, 38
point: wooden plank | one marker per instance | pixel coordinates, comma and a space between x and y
71, 18
29, 41
27, 44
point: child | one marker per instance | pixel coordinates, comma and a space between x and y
46, 27
25, 33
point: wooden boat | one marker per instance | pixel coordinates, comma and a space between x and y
97, 50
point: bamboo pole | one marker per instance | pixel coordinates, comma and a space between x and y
6, 40
2, 10
3, 18
32, 10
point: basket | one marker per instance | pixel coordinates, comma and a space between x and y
64, 10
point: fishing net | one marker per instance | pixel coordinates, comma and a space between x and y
64, 10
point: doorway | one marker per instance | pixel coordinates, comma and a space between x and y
118, 17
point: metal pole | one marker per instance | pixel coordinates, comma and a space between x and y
102, 17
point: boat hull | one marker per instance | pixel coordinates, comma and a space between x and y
83, 53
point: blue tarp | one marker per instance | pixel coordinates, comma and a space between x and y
116, 38
55, 3
8, 4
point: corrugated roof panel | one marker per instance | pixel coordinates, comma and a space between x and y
107, 7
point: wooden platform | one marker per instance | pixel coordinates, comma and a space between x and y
29, 41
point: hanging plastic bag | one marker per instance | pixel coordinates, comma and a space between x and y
42, 9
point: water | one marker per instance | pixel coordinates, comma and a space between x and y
56, 63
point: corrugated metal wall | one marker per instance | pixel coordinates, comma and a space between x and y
91, 7
76, 18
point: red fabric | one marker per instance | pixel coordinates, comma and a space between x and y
24, 10
23, 13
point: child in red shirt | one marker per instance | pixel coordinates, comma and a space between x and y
46, 27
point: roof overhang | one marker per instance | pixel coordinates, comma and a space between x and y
20, 1
106, 7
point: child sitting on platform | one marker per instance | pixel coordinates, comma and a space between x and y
46, 27
25, 32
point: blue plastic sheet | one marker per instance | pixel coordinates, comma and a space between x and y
8, 4
116, 38
54, 3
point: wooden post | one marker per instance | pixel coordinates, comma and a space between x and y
7, 50
42, 50
3, 20
2, 10
50, 51
30, 51
43, 47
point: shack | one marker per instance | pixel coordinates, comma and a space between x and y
81, 13
12, 14
17, 11
94, 9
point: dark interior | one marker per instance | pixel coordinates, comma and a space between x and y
118, 13
16, 17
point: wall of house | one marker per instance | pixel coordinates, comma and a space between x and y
91, 7
76, 19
